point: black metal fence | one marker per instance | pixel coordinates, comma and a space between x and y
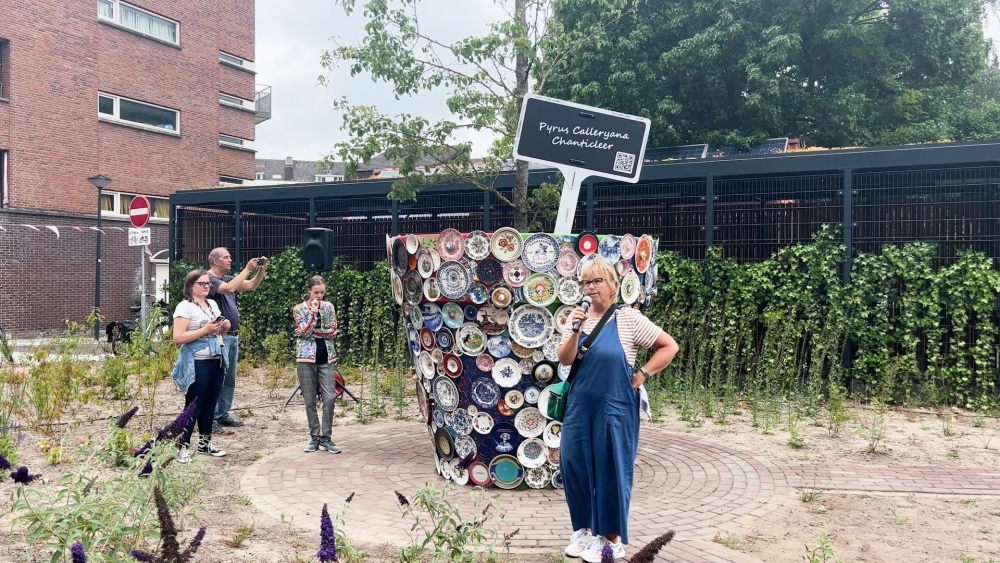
945, 194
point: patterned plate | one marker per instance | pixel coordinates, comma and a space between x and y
452, 366
445, 393
477, 245
400, 257
527, 364
623, 267
458, 474
643, 254
490, 271
531, 326
514, 399
557, 479
397, 288
521, 351
506, 244
493, 321
506, 373
540, 253
541, 289
452, 315
465, 446
630, 288
450, 245
627, 247
432, 316
482, 423
583, 262
554, 457
543, 402
515, 273
553, 434
504, 438
536, 478
538, 356
436, 257
461, 422
478, 294
431, 292
413, 287
544, 372
427, 339
438, 418
551, 348
416, 318
438, 356
485, 393
570, 290
454, 280
414, 338
610, 248
472, 339
529, 422
531, 395
532, 453
479, 474
425, 264
562, 317
568, 259
426, 364
484, 362
499, 346
501, 296
505, 472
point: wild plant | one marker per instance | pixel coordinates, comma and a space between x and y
822, 553
873, 426
441, 532
835, 411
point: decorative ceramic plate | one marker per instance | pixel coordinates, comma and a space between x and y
503, 409
425, 264
563, 372
554, 457
568, 259
630, 288
493, 321
452, 366
397, 288
478, 294
489, 271
400, 257
541, 289
557, 479
504, 438
643, 254
540, 253
414, 338
436, 257
454, 280
543, 402
470, 312
536, 478
515, 273
479, 474
538, 356
570, 290
506, 373
623, 267
445, 393
477, 245
514, 399
501, 296
413, 287
521, 351
450, 245
412, 244
532, 453
529, 422
586, 243
416, 318
506, 244
499, 346
553, 434
482, 423
610, 248
472, 338
505, 472
562, 317
432, 316
431, 292
485, 393
422, 403
464, 444
627, 247
583, 262
438, 356
473, 409
458, 474
411, 262
531, 395
427, 339
452, 315
484, 362
551, 348
531, 326
445, 444
438, 418
461, 422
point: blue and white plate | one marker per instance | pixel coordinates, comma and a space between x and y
453, 280
499, 346
506, 373
540, 252
505, 439
461, 422
485, 393
445, 340
432, 316
610, 248
445, 393
557, 479
479, 294
531, 326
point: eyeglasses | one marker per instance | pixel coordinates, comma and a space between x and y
203, 284
595, 282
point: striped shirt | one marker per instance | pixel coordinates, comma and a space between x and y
634, 331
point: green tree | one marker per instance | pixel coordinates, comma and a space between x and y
833, 72
487, 78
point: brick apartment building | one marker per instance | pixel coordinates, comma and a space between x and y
158, 95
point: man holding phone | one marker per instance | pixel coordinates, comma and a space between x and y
223, 291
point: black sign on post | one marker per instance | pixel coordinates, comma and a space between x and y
580, 141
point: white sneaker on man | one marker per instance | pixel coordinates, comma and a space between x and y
578, 542
593, 552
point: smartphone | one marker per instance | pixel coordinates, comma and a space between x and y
219, 319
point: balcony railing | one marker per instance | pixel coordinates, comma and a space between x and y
262, 100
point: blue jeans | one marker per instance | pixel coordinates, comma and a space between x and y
208, 376
232, 350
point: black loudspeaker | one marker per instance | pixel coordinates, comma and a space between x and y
317, 250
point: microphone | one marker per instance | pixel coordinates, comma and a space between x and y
586, 307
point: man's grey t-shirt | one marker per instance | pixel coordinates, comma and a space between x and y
226, 301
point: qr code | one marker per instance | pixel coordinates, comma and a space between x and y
624, 162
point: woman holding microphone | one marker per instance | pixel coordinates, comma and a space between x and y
315, 331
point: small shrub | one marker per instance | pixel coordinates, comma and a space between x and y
874, 426
835, 410
242, 534
822, 553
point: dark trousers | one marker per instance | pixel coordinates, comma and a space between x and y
208, 378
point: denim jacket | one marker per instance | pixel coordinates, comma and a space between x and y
183, 373
309, 327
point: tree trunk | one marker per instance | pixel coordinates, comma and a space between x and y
520, 195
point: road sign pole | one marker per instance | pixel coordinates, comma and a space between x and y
143, 314
567, 203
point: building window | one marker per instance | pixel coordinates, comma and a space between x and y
147, 116
234, 61
115, 204
329, 178
4, 68
230, 180
238, 103
276, 176
138, 20
235, 142
258, 176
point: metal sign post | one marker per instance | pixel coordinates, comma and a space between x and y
138, 213
581, 141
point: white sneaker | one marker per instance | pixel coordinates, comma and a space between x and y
578, 542
596, 547
183, 455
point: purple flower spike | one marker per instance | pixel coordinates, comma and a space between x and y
123, 420
179, 424
77, 553
607, 554
327, 539
21, 476
146, 470
139, 555
144, 449
4, 464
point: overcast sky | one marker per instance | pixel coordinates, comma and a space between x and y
290, 37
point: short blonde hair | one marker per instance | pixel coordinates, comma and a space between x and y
600, 268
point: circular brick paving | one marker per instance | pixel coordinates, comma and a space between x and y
681, 482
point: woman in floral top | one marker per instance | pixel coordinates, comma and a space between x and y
315, 331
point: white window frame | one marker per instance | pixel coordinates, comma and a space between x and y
329, 178
116, 16
258, 176
237, 102
117, 212
234, 142
235, 61
115, 117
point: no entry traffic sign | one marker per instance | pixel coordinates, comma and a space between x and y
139, 211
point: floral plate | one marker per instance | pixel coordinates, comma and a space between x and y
482, 423
478, 294
484, 362
450, 245
537, 477
540, 253
461, 422
477, 245
541, 289
465, 446
506, 244
562, 317
627, 247
532, 453
568, 259
570, 290
506, 373
529, 422
452, 366
515, 273
531, 326
643, 253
